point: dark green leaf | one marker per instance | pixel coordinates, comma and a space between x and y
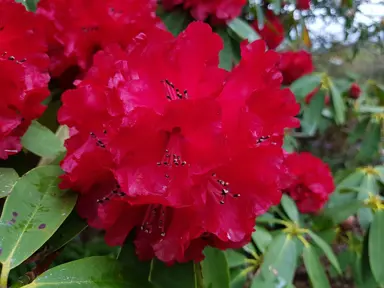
315, 268
8, 178
215, 269
306, 84
337, 103
98, 271
366, 272
376, 247
176, 20
280, 260
226, 55
34, 210
327, 250
359, 130
262, 238
290, 208
175, 276
238, 277
138, 270
42, 141
71, 227
243, 30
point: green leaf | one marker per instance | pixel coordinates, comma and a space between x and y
226, 55
175, 276
91, 272
262, 238
243, 30
290, 208
238, 277
327, 250
235, 258
340, 213
359, 130
34, 210
176, 21
337, 103
259, 16
305, 85
71, 227
8, 178
376, 247
368, 185
280, 260
138, 270
366, 272
370, 143
380, 171
215, 269
315, 268
313, 113
42, 141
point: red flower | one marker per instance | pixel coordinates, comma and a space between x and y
273, 30
311, 182
23, 74
155, 150
219, 11
78, 28
309, 97
303, 4
354, 91
294, 65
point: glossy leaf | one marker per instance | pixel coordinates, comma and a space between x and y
226, 55
91, 272
243, 30
235, 258
376, 247
215, 269
34, 210
138, 270
8, 178
290, 208
42, 141
262, 238
280, 259
176, 21
337, 103
71, 227
306, 84
315, 268
326, 249
175, 276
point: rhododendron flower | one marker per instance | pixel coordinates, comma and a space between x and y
303, 4
294, 65
310, 96
23, 74
354, 91
311, 181
187, 154
76, 29
273, 30
219, 11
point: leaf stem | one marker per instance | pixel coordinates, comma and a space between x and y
4, 275
198, 275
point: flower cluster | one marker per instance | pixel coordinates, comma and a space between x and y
311, 181
294, 65
272, 31
217, 11
76, 29
23, 74
166, 144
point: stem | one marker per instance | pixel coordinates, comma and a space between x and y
198, 275
4, 275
